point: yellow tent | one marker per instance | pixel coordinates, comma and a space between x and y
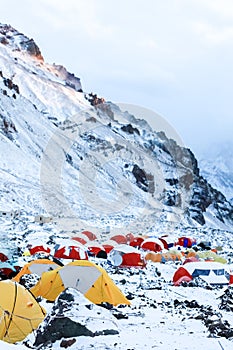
20, 313
37, 266
209, 255
83, 275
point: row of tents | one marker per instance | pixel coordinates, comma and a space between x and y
90, 240
20, 312
136, 254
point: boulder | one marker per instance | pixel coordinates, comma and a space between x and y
72, 315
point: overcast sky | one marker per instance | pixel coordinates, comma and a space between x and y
174, 57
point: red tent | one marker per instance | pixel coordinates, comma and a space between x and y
152, 244
167, 242
7, 270
39, 249
136, 242
94, 247
70, 252
181, 275
126, 256
3, 257
214, 273
129, 237
90, 235
80, 239
109, 245
186, 242
120, 239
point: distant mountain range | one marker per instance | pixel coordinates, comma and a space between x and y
216, 165
86, 162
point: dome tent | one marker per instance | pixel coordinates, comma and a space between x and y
83, 275
126, 256
213, 273
20, 313
37, 267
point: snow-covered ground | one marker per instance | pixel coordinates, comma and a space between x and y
160, 315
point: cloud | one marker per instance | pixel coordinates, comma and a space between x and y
222, 8
214, 35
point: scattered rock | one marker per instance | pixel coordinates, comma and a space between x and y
226, 303
29, 280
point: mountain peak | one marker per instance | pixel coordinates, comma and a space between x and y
9, 36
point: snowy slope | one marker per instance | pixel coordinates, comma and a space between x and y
86, 162
216, 166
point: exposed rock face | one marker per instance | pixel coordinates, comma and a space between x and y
204, 196
70, 79
130, 129
217, 169
7, 127
63, 322
11, 37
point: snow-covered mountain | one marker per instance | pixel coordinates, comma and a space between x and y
86, 162
216, 165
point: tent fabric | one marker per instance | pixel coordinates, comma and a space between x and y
120, 239
109, 245
182, 279
37, 266
167, 242
209, 255
8, 269
81, 238
206, 255
3, 257
191, 259
20, 313
126, 256
186, 242
179, 274
171, 255
136, 242
152, 244
90, 235
154, 257
70, 252
39, 249
125, 248
129, 237
88, 278
94, 247
211, 272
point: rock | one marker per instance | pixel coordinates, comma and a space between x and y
11, 37
226, 298
70, 79
130, 129
29, 280
72, 316
66, 343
